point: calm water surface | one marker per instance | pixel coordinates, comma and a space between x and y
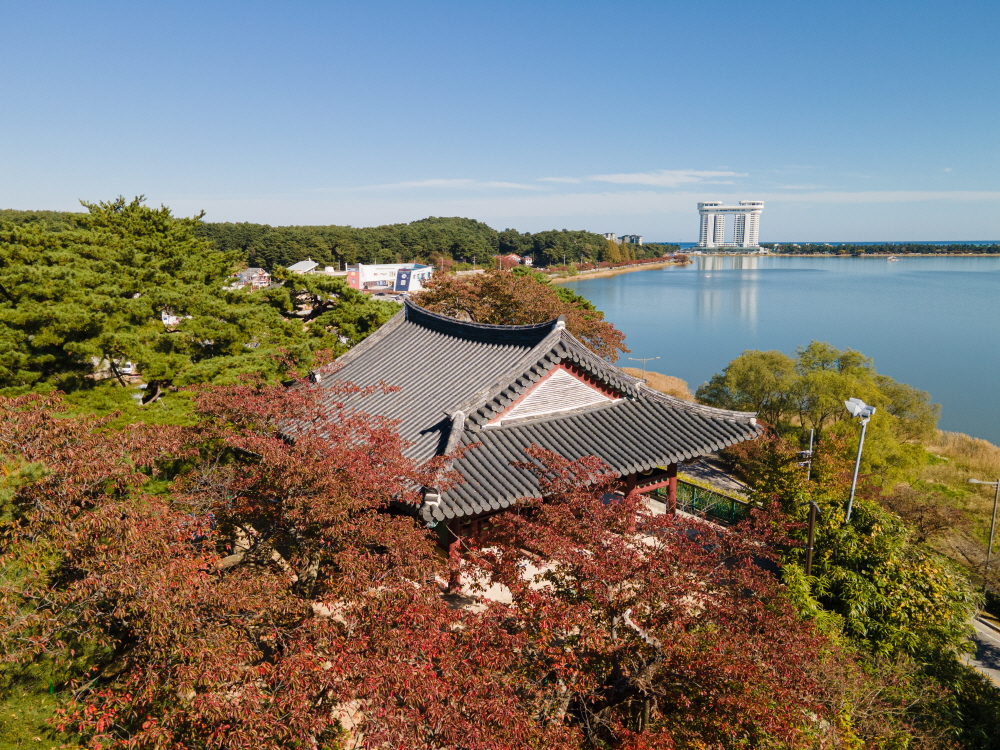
931, 322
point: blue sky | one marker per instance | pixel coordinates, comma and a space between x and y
852, 120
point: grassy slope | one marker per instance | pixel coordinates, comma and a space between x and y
24, 716
955, 459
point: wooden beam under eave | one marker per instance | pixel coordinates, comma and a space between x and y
669, 481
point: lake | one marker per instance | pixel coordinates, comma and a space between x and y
931, 322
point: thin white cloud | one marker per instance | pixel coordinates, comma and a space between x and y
668, 177
660, 178
459, 184
591, 208
800, 187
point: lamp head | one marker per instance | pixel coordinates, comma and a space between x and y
859, 408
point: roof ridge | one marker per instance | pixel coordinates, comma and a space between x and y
415, 312
560, 335
600, 363
696, 407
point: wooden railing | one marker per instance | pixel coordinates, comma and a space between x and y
706, 503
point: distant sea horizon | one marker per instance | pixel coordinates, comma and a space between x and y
689, 245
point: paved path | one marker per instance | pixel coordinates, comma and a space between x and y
987, 656
711, 471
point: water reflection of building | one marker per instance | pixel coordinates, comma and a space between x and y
721, 294
726, 262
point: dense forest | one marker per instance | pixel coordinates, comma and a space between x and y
428, 240
884, 248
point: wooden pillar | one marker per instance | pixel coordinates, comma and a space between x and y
672, 489
631, 493
454, 556
628, 484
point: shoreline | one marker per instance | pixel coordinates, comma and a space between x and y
848, 255
606, 272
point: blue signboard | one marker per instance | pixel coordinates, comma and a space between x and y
402, 281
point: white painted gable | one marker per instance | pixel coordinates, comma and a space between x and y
561, 391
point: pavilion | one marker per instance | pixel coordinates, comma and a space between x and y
500, 389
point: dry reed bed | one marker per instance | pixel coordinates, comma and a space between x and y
966, 458
663, 383
979, 457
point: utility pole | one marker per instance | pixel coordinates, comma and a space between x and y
813, 512
993, 523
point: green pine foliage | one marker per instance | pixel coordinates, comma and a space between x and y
611, 252
128, 288
428, 240
55, 220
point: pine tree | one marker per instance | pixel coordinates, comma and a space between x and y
611, 252
132, 284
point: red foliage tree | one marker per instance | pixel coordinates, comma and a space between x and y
262, 601
240, 589
660, 631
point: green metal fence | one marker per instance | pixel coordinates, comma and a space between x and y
699, 501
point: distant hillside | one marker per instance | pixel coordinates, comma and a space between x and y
426, 240
55, 220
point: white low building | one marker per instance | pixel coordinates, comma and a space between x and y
304, 266
389, 277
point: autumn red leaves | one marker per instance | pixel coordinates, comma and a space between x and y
232, 588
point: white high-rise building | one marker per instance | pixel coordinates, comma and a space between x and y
713, 224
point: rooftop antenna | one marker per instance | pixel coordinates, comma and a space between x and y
644, 360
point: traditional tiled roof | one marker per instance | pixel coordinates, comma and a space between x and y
630, 435
436, 363
457, 381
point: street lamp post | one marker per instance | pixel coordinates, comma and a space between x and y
644, 360
863, 412
993, 523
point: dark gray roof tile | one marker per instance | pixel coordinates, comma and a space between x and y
628, 436
443, 366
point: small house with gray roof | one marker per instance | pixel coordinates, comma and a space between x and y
496, 390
